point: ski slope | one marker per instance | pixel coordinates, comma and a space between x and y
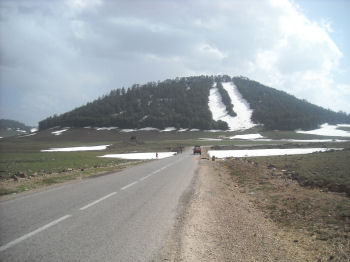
240, 106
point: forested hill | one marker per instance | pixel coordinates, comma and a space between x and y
183, 103
12, 128
279, 110
12, 124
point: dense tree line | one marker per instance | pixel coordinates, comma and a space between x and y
182, 103
279, 110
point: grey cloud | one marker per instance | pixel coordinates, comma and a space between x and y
62, 55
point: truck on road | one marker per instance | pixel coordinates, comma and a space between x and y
197, 150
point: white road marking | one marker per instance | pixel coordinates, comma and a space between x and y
22, 238
131, 184
157, 171
97, 201
143, 178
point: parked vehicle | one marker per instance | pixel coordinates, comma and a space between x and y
197, 150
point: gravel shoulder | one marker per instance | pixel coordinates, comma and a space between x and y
217, 222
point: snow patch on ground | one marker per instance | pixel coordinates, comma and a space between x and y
266, 152
59, 132
149, 129
194, 130
168, 129
343, 125
33, 130
240, 106
182, 130
209, 139
247, 136
213, 130
106, 128
128, 130
141, 156
258, 137
328, 130
74, 149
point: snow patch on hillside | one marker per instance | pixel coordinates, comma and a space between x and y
328, 130
144, 118
168, 129
240, 106
59, 132
149, 129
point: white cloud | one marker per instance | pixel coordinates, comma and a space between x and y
303, 60
82, 4
78, 50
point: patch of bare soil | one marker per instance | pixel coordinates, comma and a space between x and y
221, 223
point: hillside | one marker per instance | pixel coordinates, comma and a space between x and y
12, 128
184, 103
181, 103
279, 110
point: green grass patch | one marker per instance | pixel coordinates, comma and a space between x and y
36, 163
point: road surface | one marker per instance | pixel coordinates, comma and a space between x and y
124, 216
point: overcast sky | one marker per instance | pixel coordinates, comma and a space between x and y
58, 55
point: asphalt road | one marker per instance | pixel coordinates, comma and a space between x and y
124, 216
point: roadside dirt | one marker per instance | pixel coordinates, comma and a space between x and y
219, 223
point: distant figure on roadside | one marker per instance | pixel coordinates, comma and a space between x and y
157, 155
